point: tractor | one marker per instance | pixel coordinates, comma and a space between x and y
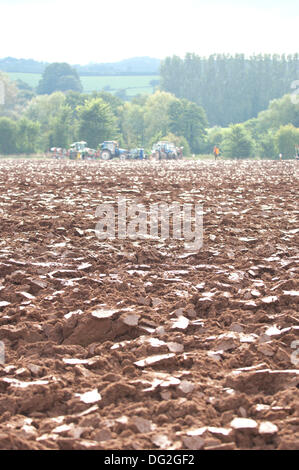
58, 153
136, 154
78, 150
110, 149
165, 150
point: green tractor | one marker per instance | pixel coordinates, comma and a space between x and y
78, 150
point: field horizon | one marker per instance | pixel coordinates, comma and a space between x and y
131, 84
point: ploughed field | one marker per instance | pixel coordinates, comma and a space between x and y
141, 344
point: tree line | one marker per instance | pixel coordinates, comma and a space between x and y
231, 89
31, 122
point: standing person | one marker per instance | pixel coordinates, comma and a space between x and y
280, 156
216, 152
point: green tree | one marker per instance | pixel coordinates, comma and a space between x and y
73, 99
132, 125
140, 99
44, 107
238, 143
155, 84
27, 136
189, 120
231, 89
8, 136
8, 95
122, 94
59, 77
179, 141
96, 122
57, 123
61, 128
215, 136
114, 101
25, 93
156, 114
267, 147
280, 112
287, 137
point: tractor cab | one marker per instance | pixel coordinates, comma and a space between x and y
164, 150
79, 146
78, 150
110, 145
110, 149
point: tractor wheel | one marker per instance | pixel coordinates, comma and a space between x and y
105, 155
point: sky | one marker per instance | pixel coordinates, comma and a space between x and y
84, 31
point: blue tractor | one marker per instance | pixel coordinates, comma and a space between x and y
165, 150
110, 149
136, 154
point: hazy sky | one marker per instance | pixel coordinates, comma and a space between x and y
82, 31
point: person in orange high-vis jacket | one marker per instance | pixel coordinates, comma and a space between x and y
216, 152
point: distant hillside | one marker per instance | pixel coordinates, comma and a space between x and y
10, 64
133, 66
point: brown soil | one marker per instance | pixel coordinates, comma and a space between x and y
138, 344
